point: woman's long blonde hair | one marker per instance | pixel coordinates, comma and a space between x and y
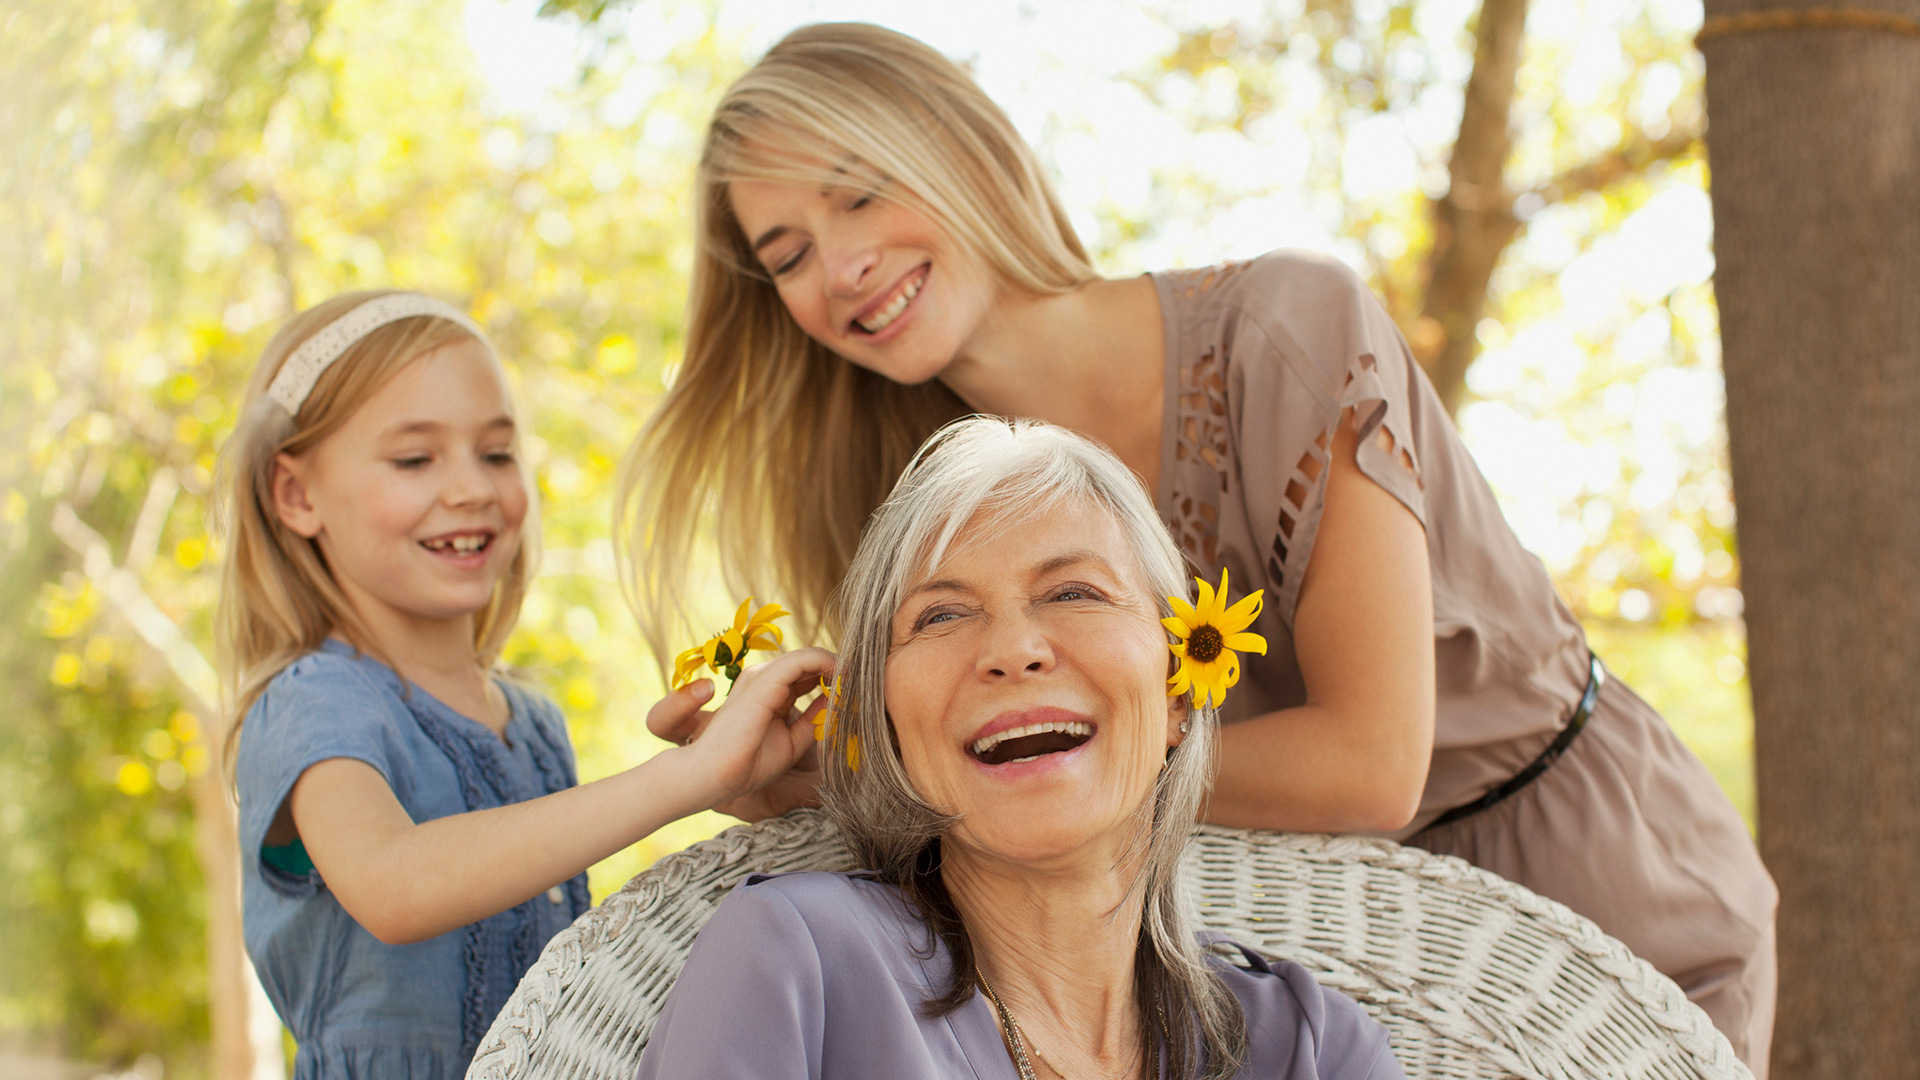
767, 438
278, 600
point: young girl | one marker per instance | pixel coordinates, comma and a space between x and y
880, 252
409, 819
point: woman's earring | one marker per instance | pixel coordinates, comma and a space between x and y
1183, 727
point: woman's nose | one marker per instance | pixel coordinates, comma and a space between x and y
1013, 647
849, 266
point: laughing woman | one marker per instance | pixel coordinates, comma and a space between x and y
1023, 792
879, 253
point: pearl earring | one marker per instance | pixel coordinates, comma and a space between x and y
1183, 727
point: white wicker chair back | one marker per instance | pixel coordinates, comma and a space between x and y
1473, 975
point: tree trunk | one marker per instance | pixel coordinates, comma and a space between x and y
1814, 140
1473, 222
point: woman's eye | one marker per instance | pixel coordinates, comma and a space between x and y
790, 262
935, 618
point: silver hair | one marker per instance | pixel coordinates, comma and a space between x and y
989, 469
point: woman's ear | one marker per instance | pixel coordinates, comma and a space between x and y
291, 503
1179, 714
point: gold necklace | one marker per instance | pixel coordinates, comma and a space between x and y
1017, 1040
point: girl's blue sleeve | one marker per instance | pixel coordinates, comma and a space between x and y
322, 706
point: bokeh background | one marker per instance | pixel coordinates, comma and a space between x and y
177, 176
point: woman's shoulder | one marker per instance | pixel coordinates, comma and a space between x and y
825, 903
1277, 283
1294, 1021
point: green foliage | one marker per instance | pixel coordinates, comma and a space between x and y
181, 177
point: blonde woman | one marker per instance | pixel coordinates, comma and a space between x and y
879, 253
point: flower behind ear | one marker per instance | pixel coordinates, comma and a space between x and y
1211, 637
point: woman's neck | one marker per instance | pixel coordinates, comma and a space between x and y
1058, 947
1093, 360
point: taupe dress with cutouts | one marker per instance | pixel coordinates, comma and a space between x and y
1628, 828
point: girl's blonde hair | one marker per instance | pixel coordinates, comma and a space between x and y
278, 600
767, 438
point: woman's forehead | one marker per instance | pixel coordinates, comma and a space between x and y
1012, 543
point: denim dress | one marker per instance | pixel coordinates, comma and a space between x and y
357, 1007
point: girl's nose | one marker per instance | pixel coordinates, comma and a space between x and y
468, 484
1013, 647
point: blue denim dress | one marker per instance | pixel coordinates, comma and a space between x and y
357, 1007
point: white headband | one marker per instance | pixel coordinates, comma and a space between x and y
296, 377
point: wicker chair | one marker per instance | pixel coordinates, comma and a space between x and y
1473, 975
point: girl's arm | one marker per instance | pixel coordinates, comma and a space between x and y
1354, 757
407, 882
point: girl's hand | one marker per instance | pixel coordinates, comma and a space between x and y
756, 739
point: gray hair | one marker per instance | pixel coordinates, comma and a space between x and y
989, 466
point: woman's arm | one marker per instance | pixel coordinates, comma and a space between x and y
1354, 757
408, 882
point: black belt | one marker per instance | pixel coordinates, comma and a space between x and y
1596, 676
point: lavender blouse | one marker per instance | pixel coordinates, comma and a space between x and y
822, 976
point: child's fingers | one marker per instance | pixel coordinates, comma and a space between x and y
778, 683
676, 717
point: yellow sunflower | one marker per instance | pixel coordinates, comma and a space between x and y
726, 651
1212, 636
824, 720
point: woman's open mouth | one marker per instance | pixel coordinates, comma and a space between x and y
895, 305
1030, 742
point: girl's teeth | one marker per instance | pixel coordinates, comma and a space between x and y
883, 318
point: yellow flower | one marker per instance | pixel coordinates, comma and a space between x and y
824, 720
1210, 633
726, 651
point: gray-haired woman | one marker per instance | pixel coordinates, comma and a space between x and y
1007, 763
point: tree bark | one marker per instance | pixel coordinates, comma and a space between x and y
1473, 222
1815, 148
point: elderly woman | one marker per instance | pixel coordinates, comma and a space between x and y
1008, 764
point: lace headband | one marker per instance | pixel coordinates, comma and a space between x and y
296, 377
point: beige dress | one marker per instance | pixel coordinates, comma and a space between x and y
1627, 828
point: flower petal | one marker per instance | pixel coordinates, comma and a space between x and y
1181, 682
767, 644
740, 617
1177, 627
1204, 608
1241, 615
1184, 611
1252, 643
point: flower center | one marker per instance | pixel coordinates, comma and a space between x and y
1205, 643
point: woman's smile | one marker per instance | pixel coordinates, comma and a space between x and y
1049, 735
884, 312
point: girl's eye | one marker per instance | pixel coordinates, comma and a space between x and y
500, 457
416, 461
860, 202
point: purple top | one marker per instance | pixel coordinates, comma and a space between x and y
822, 976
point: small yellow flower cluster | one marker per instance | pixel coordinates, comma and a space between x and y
1209, 634
725, 652
824, 720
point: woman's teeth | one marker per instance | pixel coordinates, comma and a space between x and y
883, 318
459, 545
1074, 728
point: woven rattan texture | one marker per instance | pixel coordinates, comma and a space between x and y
1473, 976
